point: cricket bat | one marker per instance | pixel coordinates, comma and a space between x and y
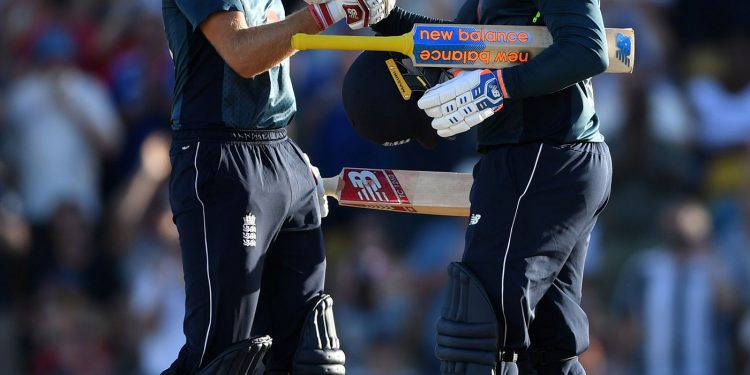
420, 192
470, 46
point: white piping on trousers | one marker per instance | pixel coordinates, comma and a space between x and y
205, 243
507, 248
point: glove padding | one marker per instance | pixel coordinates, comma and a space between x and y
464, 101
322, 198
358, 13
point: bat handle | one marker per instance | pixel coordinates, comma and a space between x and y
331, 186
403, 43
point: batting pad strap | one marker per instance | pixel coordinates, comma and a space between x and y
319, 351
467, 332
241, 358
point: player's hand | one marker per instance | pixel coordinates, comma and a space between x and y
322, 198
463, 101
358, 13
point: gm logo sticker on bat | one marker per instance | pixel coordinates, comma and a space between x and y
373, 185
468, 45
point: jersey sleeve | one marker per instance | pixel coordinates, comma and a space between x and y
469, 12
578, 51
401, 21
197, 11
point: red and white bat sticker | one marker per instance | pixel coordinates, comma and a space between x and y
372, 185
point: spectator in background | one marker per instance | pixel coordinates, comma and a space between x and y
145, 237
157, 290
141, 79
372, 302
69, 334
719, 91
438, 242
672, 301
76, 260
732, 217
732, 222
14, 245
648, 124
62, 124
78, 280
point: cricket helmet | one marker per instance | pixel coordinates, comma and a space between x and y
380, 94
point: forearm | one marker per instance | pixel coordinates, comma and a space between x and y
579, 50
553, 71
250, 51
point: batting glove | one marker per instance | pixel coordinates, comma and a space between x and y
322, 198
463, 102
358, 13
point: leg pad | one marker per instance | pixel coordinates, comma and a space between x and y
319, 351
241, 358
467, 332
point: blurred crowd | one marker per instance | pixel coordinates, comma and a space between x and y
90, 274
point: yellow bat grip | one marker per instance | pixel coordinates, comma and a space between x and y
403, 43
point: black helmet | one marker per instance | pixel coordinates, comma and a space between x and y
380, 95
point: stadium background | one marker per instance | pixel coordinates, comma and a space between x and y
90, 279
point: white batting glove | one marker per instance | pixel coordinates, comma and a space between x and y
322, 198
464, 101
358, 13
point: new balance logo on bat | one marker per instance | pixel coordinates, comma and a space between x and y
624, 48
368, 185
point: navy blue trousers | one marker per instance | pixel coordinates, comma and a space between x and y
247, 213
533, 209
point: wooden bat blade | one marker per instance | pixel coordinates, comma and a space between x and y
422, 192
471, 46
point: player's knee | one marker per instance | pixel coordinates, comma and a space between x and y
319, 351
241, 358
